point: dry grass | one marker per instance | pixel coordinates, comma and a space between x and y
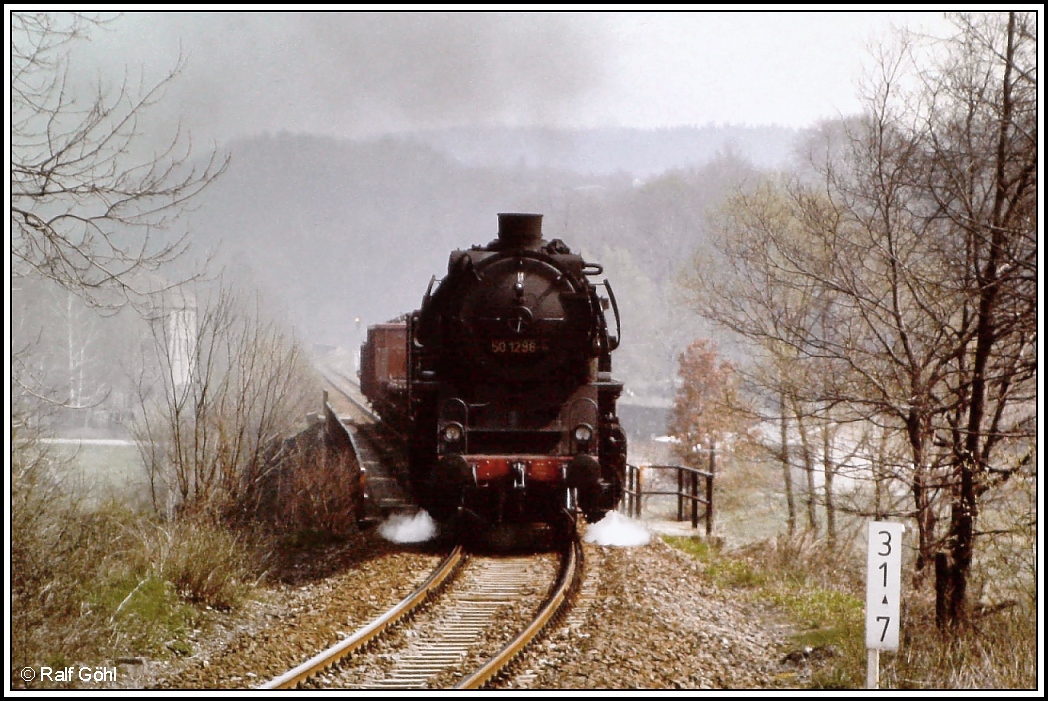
93, 582
206, 563
999, 651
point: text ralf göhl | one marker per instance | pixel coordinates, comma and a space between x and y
83, 674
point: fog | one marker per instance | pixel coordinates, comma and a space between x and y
356, 74
353, 74
364, 147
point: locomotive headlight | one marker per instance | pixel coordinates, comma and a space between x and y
453, 433
583, 433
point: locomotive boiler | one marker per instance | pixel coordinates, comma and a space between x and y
501, 382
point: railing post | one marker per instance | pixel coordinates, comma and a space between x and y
624, 505
693, 490
640, 492
680, 494
633, 491
626, 490
709, 490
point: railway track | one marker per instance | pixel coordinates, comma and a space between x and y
466, 623
460, 629
347, 389
366, 634
557, 604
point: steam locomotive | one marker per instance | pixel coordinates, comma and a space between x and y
501, 382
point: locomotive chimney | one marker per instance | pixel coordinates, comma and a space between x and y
520, 230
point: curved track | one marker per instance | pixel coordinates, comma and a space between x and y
348, 388
556, 605
479, 613
362, 637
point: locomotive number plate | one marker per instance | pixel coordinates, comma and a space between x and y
519, 347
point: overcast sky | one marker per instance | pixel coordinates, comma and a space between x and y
353, 74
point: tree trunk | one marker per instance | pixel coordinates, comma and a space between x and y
828, 470
791, 507
954, 587
809, 468
922, 496
964, 509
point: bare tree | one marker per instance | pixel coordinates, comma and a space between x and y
807, 432
93, 196
905, 284
980, 157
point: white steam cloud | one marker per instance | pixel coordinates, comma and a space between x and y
617, 530
408, 528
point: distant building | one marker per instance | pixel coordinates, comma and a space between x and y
175, 311
182, 338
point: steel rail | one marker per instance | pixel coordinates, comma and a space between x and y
555, 604
292, 678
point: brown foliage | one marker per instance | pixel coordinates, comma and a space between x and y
707, 409
308, 483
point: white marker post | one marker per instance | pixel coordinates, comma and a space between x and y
883, 589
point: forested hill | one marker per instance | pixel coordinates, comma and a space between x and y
336, 230
641, 153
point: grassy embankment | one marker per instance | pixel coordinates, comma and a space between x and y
96, 578
821, 590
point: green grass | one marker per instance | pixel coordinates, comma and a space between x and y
723, 571
817, 609
147, 615
825, 617
93, 583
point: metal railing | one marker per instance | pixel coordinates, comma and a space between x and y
688, 493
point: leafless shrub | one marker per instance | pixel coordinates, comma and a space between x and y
309, 484
225, 384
